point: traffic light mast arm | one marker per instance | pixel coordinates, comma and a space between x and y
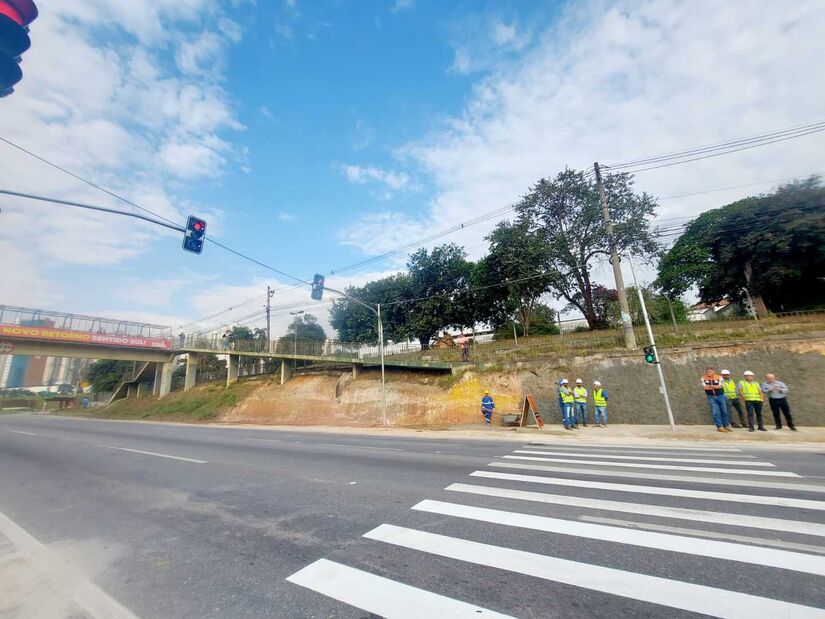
90, 207
353, 299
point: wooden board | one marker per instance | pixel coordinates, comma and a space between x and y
530, 414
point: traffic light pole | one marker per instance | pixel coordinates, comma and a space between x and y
269, 294
658, 364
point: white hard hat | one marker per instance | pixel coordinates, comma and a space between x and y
578, 381
595, 382
748, 373
563, 381
725, 372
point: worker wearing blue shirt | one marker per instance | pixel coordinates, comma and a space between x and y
487, 407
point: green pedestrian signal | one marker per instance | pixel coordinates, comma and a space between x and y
650, 354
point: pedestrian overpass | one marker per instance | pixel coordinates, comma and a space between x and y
153, 349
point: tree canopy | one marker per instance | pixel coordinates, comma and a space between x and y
105, 375
304, 328
770, 246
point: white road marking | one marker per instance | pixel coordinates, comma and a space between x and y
152, 453
703, 533
646, 458
21, 432
381, 596
668, 467
359, 446
629, 448
673, 593
737, 520
65, 577
688, 479
755, 555
660, 491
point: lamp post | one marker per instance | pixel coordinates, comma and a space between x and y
296, 314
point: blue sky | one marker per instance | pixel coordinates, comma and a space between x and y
313, 135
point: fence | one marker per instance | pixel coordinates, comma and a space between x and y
24, 316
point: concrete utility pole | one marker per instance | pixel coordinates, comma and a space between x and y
658, 364
624, 308
269, 294
296, 314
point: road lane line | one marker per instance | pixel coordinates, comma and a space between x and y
577, 451
688, 479
754, 499
756, 555
737, 520
653, 589
667, 467
381, 596
703, 533
359, 446
152, 453
646, 459
21, 432
629, 448
63, 575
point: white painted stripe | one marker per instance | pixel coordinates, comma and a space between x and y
381, 596
21, 432
65, 577
688, 479
652, 589
728, 551
358, 446
577, 451
737, 520
646, 458
630, 448
703, 533
152, 453
667, 467
753, 499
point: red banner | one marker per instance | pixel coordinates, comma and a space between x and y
84, 337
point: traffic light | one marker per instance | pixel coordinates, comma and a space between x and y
15, 17
195, 233
650, 354
317, 287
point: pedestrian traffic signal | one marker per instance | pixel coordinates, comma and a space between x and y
650, 354
15, 17
195, 234
317, 287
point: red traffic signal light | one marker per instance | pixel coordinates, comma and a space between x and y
15, 16
193, 238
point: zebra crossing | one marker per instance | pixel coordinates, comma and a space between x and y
568, 530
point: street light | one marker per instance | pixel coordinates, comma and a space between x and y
296, 314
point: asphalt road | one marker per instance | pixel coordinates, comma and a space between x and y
154, 520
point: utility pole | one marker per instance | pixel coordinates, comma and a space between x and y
658, 364
269, 294
297, 323
624, 308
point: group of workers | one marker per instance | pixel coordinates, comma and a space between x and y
726, 395
573, 404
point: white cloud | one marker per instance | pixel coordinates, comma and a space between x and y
503, 34
371, 174
402, 5
286, 217
626, 80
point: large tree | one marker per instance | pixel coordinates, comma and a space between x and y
566, 213
105, 375
355, 323
304, 328
769, 246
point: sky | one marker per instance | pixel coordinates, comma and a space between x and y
312, 135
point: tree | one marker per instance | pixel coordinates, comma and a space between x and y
439, 279
304, 329
769, 246
355, 323
566, 213
658, 306
105, 375
518, 257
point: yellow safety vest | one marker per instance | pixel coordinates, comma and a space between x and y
598, 398
751, 390
730, 388
566, 395
580, 394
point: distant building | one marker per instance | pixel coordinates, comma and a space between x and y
23, 371
712, 311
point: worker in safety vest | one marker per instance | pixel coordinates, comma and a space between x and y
600, 404
566, 394
487, 407
729, 387
751, 392
717, 400
580, 402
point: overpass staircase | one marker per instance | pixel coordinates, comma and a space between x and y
131, 381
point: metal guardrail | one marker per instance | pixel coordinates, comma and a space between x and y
31, 317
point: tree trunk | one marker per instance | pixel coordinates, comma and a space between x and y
424, 340
758, 302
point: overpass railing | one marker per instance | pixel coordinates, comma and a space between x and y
52, 324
